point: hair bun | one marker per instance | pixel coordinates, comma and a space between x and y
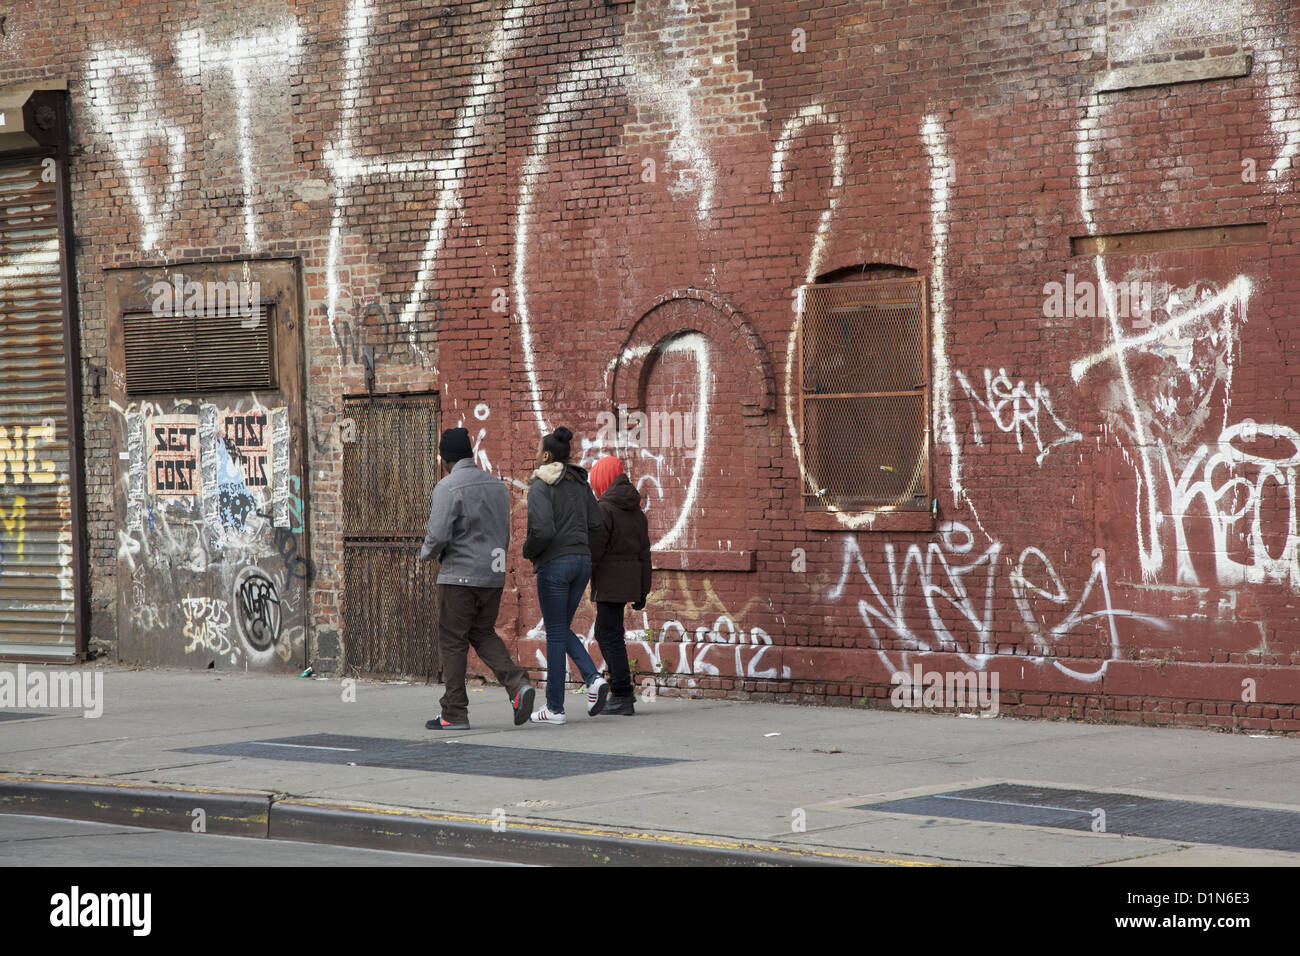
563, 434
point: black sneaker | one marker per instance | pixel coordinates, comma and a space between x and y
439, 724
522, 702
619, 706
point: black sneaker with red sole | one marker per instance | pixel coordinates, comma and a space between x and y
439, 724
523, 704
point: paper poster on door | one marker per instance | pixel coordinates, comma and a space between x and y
248, 438
173, 442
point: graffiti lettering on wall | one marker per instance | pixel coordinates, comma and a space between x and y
207, 626
325, 426
13, 520
296, 567
1172, 377
19, 462
171, 542
692, 647
682, 652
1254, 531
174, 456
1014, 409
143, 614
947, 578
594, 450
258, 603
124, 95
375, 327
720, 646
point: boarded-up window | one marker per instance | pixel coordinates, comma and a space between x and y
864, 395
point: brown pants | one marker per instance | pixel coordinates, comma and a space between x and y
467, 618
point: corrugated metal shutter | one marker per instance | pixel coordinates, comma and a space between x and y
37, 592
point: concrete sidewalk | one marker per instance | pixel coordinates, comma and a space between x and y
735, 779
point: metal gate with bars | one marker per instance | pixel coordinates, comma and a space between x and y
390, 600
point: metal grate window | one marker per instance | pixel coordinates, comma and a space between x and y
864, 395
390, 467
177, 353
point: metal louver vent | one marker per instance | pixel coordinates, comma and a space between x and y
167, 354
864, 395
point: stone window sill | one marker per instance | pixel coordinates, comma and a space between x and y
869, 521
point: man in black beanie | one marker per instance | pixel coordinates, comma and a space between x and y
469, 532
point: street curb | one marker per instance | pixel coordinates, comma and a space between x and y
261, 814
531, 841
224, 812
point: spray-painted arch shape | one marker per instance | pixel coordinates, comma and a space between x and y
692, 310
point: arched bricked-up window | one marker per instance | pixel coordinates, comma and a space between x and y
864, 395
692, 354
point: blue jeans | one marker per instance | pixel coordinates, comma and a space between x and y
561, 583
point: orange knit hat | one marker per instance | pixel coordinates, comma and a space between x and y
603, 474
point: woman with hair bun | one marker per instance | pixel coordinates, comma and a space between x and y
564, 523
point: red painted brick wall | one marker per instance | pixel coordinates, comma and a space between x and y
613, 175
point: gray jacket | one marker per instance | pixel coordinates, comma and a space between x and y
469, 527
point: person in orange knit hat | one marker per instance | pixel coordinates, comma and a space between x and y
620, 573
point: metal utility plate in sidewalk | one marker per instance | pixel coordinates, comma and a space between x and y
437, 756
1214, 823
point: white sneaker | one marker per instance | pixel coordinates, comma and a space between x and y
596, 694
547, 716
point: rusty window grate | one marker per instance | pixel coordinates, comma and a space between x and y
864, 400
177, 353
390, 467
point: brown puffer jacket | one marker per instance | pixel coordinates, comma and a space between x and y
620, 569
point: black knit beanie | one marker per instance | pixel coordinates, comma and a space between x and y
455, 445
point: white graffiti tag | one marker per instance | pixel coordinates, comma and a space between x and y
1015, 409
950, 576
207, 625
691, 648
1234, 484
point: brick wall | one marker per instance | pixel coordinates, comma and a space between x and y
540, 210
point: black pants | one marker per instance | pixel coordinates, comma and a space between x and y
609, 635
467, 618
